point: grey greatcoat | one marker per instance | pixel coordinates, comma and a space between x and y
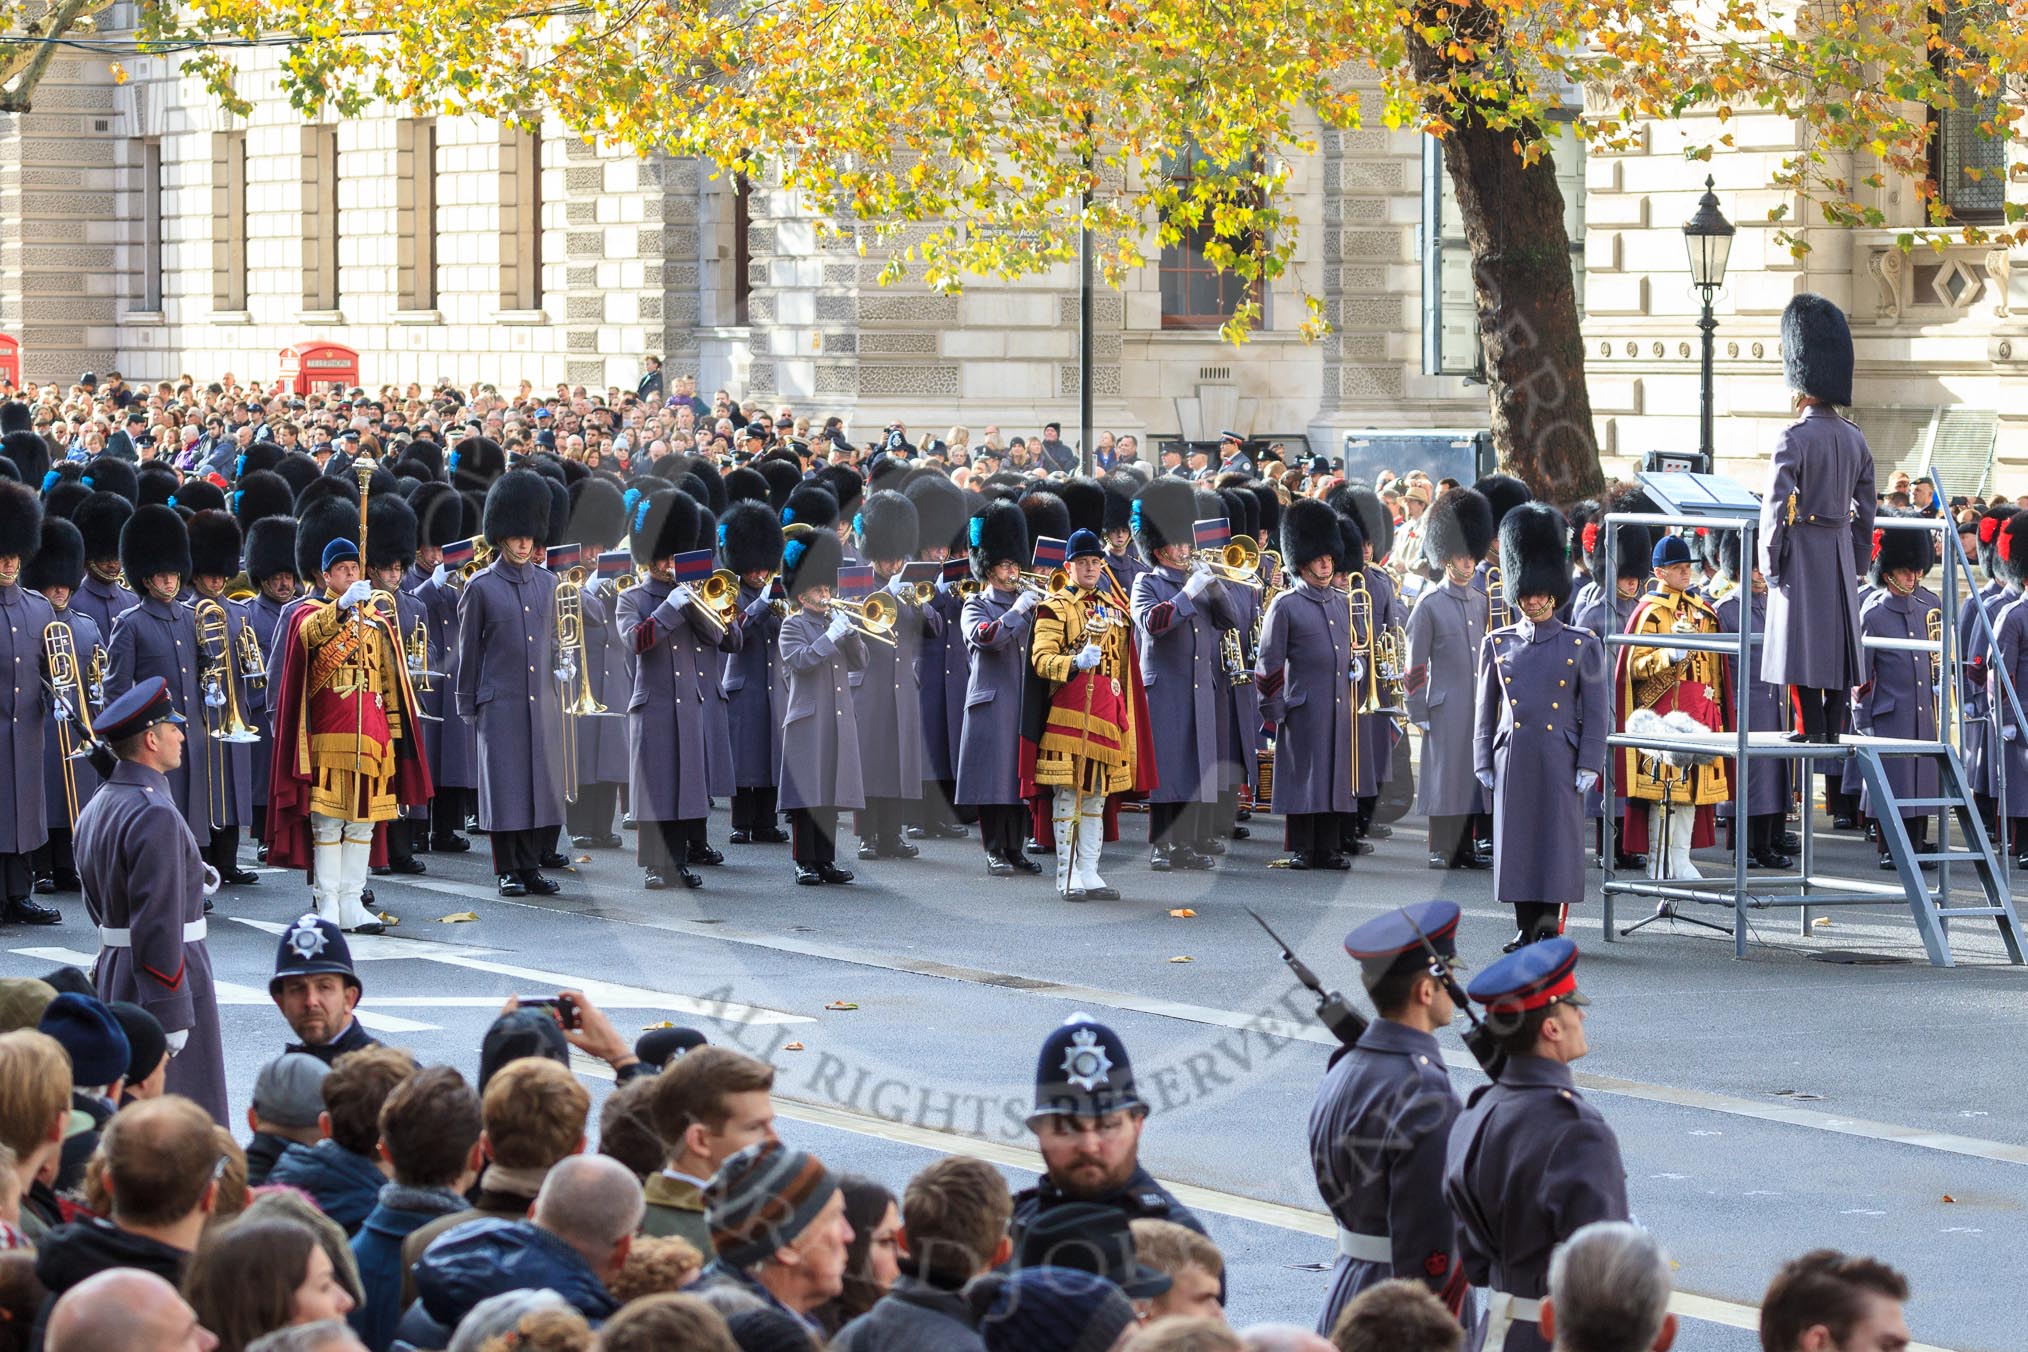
1591, 614
602, 743
1179, 666
232, 763
1543, 715
25, 708
1530, 1163
889, 706
942, 672
158, 638
1377, 732
506, 683
669, 646
1977, 654
756, 698
1239, 705
2011, 635
1895, 697
264, 616
1813, 604
85, 634
103, 601
144, 882
1378, 1131
453, 744
1445, 631
989, 750
1767, 710
820, 737
1305, 691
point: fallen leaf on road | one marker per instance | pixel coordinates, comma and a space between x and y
1949, 1198
584, 859
387, 919
841, 1004
651, 1027
1822, 922
792, 1046
1181, 959
460, 918
1184, 913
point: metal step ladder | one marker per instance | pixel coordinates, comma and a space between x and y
1932, 907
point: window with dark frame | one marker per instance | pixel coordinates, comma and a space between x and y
1968, 166
151, 225
742, 248
1195, 293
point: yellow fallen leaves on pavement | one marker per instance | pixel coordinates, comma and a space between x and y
458, 919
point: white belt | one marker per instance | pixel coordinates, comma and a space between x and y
1365, 1248
1503, 1311
193, 932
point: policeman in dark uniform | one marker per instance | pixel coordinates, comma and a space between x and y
1087, 1121
316, 989
1530, 1162
1383, 1116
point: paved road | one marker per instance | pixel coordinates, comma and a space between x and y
1764, 1106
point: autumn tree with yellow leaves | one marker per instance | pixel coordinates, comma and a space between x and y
1006, 125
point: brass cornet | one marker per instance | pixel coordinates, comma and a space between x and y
719, 595
1238, 561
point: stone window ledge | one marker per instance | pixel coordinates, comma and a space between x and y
320, 317
144, 318
234, 318
424, 317
532, 318
1210, 337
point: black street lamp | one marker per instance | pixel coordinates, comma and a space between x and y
1708, 236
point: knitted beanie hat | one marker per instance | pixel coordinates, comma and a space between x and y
1061, 1309
762, 1198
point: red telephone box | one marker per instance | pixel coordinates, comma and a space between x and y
10, 360
311, 366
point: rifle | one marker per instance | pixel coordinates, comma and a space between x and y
1478, 1039
1333, 1010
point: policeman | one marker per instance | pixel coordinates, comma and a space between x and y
1529, 1161
1383, 1114
1087, 1120
145, 885
316, 990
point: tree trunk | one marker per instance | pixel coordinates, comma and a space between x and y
24, 63
1527, 297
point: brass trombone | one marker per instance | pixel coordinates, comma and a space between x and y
1499, 610
1238, 561
59, 648
872, 618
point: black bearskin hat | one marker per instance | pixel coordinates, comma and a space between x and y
21, 520
99, 519
598, 514
1047, 516
1086, 502
1270, 515
214, 544
476, 462
664, 524
59, 557
199, 495
811, 560
517, 505
1241, 511
107, 474
390, 532
64, 497
744, 484
1351, 556
1534, 557
16, 416
271, 548
30, 454
887, 527
1894, 549
559, 515
1119, 490
1503, 493
750, 538
328, 488
998, 532
1460, 526
261, 493
573, 471
261, 455
154, 541
1374, 518
427, 454
323, 522
939, 509
1163, 513
1727, 560
811, 505
1576, 519
156, 483
845, 485
1817, 349
1309, 530
714, 483
2011, 549
783, 477
439, 515
1634, 545
298, 471
1990, 525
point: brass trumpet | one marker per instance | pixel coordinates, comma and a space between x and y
228, 725
872, 618
719, 595
1238, 561
1058, 580
417, 654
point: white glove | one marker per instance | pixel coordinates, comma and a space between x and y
897, 587
1485, 778
758, 607
683, 595
2007, 733
840, 627
1026, 602
943, 586
1088, 657
1679, 654
355, 593
211, 881
440, 575
1197, 583
1424, 725
1587, 780
178, 1040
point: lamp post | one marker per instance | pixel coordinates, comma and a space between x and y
1708, 237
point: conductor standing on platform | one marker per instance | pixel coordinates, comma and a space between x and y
1817, 509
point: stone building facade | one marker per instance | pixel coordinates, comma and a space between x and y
143, 229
